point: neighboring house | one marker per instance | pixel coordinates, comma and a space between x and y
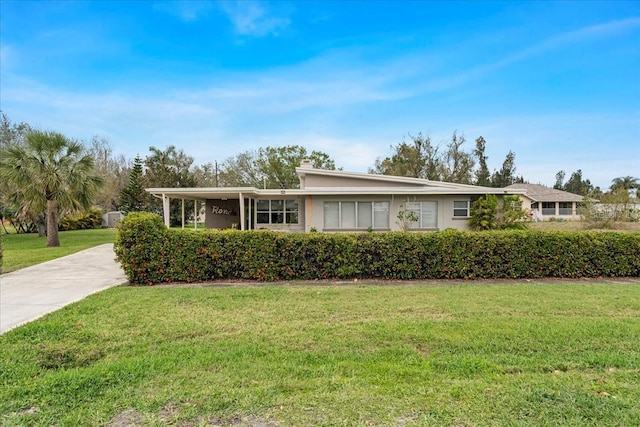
546, 203
331, 200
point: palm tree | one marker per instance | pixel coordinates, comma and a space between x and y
52, 173
625, 182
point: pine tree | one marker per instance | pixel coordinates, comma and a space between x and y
507, 174
133, 197
483, 176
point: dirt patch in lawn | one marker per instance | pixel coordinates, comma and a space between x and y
169, 415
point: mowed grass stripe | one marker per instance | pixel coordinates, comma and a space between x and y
522, 354
25, 250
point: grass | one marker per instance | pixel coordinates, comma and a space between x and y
24, 250
189, 226
583, 226
335, 355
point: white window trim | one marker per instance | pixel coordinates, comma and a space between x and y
418, 225
468, 209
284, 211
356, 202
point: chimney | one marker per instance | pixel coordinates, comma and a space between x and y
306, 163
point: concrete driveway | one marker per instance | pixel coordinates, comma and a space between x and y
32, 292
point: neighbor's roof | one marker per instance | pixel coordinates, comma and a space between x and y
540, 193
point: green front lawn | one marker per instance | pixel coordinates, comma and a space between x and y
24, 250
350, 355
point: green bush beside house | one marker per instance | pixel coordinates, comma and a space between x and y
152, 254
81, 221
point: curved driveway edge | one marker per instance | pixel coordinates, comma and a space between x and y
32, 292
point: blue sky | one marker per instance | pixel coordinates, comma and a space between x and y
556, 82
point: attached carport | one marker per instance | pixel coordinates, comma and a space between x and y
204, 194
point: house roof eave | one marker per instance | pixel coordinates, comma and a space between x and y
201, 193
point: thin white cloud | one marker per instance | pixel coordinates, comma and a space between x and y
340, 78
334, 80
253, 18
453, 80
7, 56
214, 128
580, 35
132, 121
311, 104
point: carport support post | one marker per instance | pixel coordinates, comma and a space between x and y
165, 210
195, 214
241, 197
183, 214
500, 213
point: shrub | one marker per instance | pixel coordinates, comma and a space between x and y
81, 221
139, 246
484, 213
406, 218
514, 217
617, 206
150, 253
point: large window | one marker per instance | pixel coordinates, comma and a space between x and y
461, 208
425, 212
548, 208
277, 212
356, 215
565, 208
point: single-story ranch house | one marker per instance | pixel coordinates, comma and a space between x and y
333, 200
546, 203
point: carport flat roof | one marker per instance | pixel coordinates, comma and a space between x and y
203, 193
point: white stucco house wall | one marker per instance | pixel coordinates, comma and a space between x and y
336, 201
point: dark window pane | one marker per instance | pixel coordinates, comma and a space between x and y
292, 205
548, 208
461, 208
565, 208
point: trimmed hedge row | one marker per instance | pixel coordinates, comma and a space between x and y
151, 254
